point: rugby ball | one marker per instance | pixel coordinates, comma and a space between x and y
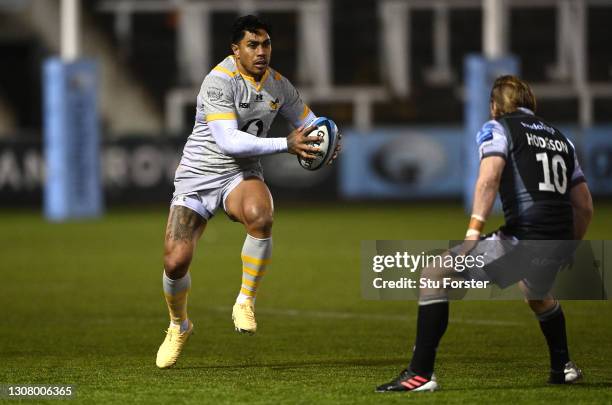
327, 129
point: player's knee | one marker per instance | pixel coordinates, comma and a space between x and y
430, 286
539, 306
532, 304
176, 264
431, 273
258, 219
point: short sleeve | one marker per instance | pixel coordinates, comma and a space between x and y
578, 174
216, 99
293, 109
492, 140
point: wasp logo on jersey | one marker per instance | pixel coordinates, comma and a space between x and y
274, 104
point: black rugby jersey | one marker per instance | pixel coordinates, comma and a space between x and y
541, 168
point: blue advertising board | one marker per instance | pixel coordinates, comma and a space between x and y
402, 163
431, 162
597, 146
71, 140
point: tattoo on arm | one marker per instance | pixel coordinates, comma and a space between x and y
183, 223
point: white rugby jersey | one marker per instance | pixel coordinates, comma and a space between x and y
227, 94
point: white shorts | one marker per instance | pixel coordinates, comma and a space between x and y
205, 202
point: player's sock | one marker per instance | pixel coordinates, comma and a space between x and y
176, 292
431, 325
552, 323
256, 255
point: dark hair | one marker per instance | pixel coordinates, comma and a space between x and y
248, 23
509, 93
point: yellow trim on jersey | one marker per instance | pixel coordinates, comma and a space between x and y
305, 112
256, 261
221, 116
259, 85
221, 69
247, 77
251, 79
277, 76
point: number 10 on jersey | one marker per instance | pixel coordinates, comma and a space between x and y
560, 185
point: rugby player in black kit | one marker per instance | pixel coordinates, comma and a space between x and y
544, 196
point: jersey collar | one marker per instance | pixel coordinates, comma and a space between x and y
257, 85
525, 110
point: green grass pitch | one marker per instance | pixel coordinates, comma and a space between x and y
81, 304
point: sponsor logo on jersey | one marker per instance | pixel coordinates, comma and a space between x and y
214, 94
258, 98
485, 134
244, 105
539, 126
274, 104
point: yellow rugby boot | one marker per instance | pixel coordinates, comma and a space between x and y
243, 316
172, 346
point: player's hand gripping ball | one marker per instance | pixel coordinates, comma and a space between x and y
328, 131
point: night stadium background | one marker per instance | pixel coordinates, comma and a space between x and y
81, 294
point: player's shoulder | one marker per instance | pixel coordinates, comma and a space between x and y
490, 130
278, 79
548, 126
276, 75
552, 129
225, 71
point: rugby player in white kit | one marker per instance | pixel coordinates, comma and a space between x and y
220, 167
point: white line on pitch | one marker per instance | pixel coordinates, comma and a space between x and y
353, 315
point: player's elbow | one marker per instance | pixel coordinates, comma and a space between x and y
489, 175
229, 148
224, 133
585, 213
582, 202
588, 210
